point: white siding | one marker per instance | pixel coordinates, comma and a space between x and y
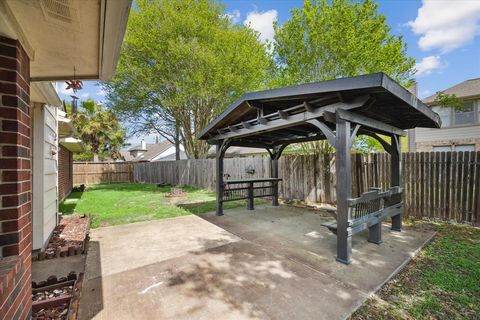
466, 132
45, 196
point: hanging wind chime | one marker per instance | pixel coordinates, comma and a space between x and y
75, 85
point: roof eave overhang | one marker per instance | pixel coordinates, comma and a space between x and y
44, 92
113, 22
72, 144
114, 17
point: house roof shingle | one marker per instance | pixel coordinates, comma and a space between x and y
153, 150
465, 89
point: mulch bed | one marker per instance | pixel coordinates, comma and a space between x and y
56, 299
68, 238
175, 193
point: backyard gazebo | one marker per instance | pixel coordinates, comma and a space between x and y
335, 110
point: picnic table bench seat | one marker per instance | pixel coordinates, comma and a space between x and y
248, 189
369, 210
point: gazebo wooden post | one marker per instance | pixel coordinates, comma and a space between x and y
344, 190
274, 174
274, 156
396, 178
220, 153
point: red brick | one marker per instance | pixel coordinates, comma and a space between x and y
10, 125
6, 50
8, 176
65, 175
15, 151
26, 186
14, 200
10, 137
26, 208
12, 42
8, 63
6, 75
10, 101
10, 214
10, 164
8, 112
16, 126
9, 88
9, 226
10, 188
10, 250
25, 164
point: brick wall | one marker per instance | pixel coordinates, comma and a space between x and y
15, 182
65, 172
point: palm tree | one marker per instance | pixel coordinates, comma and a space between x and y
100, 129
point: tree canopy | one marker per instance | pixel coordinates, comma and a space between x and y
182, 63
325, 40
99, 129
330, 39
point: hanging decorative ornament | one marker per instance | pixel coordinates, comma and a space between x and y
74, 84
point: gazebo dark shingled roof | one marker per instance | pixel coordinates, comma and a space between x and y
390, 103
336, 110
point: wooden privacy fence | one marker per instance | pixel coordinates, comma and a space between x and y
444, 185
199, 172
102, 172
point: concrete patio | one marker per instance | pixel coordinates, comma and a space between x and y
271, 263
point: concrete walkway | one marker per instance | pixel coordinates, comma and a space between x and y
271, 263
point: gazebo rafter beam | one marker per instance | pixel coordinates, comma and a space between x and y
369, 122
292, 120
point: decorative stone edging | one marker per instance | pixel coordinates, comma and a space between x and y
65, 251
71, 299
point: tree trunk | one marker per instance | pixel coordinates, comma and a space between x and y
177, 142
95, 157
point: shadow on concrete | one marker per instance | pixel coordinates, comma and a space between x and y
249, 281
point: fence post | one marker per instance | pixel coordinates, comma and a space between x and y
250, 205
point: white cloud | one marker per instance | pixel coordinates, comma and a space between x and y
429, 64
446, 25
234, 16
85, 95
262, 22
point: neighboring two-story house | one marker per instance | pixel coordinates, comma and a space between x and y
460, 129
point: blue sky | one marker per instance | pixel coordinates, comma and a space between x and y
443, 37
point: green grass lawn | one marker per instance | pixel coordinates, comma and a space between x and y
442, 282
111, 204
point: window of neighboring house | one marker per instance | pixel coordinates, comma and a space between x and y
465, 147
470, 114
445, 115
442, 148
466, 115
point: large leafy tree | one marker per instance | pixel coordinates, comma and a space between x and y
328, 39
99, 129
182, 63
